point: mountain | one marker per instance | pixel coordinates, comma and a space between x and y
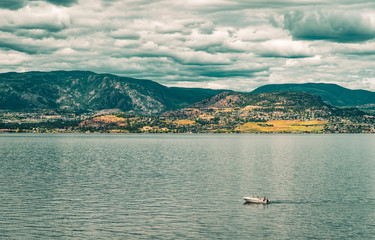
269, 112
300, 104
272, 103
82, 91
271, 100
279, 112
332, 94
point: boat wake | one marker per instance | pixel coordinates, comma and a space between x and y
293, 202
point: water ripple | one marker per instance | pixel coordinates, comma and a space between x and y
186, 186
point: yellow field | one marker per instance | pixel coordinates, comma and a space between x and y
184, 122
283, 126
109, 119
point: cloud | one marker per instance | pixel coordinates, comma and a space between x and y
29, 46
125, 34
47, 18
32, 33
12, 58
62, 2
218, 41
17, 4
12, 4
312, 61
212, 6
285, 49
232, 71
183, 56
235, 44
200, 58
260, 33
365, 49
336, 26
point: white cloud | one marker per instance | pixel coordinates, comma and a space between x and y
260, 33
12, 58
43, 16
285, 48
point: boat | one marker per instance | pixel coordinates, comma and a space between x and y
256, 200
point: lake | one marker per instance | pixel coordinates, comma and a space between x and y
186, 186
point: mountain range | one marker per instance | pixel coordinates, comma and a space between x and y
332, 94
82, 91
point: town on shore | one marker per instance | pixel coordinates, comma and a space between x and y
250, 119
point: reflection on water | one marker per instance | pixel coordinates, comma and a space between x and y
186, 186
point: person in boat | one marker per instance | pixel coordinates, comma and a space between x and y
264, 199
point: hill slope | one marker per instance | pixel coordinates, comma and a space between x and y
272, 100
85, 91
330, 93
270, 112
263, 106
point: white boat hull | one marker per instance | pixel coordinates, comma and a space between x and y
256, 200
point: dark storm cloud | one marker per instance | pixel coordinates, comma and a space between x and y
33, 33
229, 71
12, 4
363, 53
17, 4
28, 48
62, 2
125, 34
366, 49
45, 26
331, 26
217, 73
278, 55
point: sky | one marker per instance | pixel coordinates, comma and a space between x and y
219, 44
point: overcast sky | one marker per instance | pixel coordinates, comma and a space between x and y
227, 44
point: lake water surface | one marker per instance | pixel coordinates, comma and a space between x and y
188, 186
